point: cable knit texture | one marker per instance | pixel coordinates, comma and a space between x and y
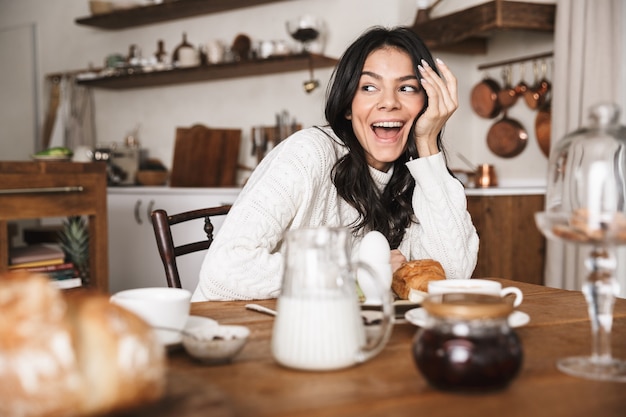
292, 188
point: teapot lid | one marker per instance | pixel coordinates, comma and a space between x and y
467, 306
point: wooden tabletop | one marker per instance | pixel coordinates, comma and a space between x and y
390, 384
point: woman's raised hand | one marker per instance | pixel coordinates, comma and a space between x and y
442, 102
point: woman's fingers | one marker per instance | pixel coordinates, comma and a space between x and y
442, 102
397, 259
450, 81
442, 91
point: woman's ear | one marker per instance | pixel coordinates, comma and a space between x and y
349, 114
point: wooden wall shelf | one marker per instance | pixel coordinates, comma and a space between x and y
272, 65
168, 10
467, 31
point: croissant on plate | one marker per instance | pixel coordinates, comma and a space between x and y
415, 275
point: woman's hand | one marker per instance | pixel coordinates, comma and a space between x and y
396, 260
442, 102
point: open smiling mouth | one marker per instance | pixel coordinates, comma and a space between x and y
387, 130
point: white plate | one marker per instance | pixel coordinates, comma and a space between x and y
418, 317
171, 338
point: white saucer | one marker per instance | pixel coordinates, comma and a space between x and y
418, 317
171, 338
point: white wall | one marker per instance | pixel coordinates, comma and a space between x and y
64, 45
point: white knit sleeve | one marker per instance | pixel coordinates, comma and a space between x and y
245, 261
445, 231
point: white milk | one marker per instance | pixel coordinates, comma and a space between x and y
318, 334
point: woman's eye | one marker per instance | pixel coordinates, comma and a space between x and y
368, 88
411, 88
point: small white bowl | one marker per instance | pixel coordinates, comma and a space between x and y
215, 344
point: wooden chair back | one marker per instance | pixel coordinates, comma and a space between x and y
162, 223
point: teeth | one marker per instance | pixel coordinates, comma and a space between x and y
388, 124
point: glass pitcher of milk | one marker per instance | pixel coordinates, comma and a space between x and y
318, 325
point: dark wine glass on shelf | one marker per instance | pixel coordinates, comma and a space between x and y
306, 30
586, 207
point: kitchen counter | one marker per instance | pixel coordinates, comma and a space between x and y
497, 191
489, 191
133, 190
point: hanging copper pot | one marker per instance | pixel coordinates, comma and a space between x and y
535, 96
507, 96
507, 137
543, 126
484, 98
521, 86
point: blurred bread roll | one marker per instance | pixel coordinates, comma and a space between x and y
415, 275
72, 354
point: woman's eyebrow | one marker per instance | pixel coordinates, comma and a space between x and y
379, 77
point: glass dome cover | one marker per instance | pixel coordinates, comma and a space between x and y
585, 199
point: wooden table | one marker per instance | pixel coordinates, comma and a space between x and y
390, 384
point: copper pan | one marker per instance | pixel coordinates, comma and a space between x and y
507, 137
507, 96
484, 98
543, 126
536, 95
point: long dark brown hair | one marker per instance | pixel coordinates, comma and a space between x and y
390, 212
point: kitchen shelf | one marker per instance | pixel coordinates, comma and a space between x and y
467, 31
168, 10
253, 67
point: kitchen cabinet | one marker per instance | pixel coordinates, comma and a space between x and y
35, 190
133, 255
511, 246
467, 31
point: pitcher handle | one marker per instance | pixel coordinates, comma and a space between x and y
372, 349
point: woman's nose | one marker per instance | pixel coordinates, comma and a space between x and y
388, 100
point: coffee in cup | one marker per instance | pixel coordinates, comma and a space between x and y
475, 286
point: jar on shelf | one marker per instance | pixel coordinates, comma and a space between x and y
185, 55
467, 343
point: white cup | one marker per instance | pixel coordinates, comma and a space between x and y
161, 307
476, 286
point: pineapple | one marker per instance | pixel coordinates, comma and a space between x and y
74, 240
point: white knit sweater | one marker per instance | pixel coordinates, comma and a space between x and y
292, 188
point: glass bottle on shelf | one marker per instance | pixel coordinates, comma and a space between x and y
160, 55
185, 55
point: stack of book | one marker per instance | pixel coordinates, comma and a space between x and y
47, 259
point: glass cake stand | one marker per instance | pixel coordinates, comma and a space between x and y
600, 289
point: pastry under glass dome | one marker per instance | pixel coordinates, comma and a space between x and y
586, 206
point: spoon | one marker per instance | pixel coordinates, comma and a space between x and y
193, 334
260, 309
467, 162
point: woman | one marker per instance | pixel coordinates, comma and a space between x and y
378, 165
